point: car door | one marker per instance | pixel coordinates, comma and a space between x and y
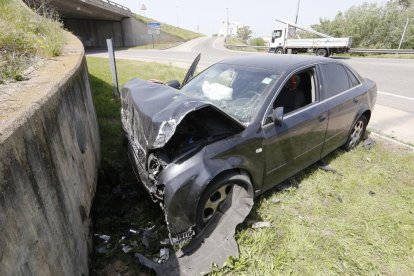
341, 93
298, 141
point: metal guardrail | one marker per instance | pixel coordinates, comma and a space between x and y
382, 51
352, 50
109, 4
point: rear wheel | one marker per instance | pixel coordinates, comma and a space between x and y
215, 195
322, 52
357, 132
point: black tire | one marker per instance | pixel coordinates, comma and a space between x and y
357, 133
322, 52
215, 194
279, 50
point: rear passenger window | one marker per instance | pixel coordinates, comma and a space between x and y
353, 80
335, 78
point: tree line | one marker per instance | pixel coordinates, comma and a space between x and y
373, 25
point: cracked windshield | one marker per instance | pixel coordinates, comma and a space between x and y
237, 90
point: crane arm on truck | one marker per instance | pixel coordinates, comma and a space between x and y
303, 28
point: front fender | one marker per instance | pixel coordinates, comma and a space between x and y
184, 185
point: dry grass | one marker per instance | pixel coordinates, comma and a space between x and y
170, 29
25, 36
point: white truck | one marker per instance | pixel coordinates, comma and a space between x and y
284, 41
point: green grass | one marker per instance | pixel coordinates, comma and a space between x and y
356, 224
170, 29
25, 35
361, 223
232, 41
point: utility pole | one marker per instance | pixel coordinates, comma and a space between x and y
227, 21
297, 12
296, 20
403, 34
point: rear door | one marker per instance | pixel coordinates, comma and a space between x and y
298, 142
341, 91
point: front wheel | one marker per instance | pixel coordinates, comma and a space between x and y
279, 51
216, 194
357, 132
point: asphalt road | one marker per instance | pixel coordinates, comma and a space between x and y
394, 78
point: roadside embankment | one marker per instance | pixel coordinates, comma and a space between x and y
49, 156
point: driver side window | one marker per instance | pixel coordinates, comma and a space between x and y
297, 92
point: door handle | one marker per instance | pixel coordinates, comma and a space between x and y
355, 100
322, 117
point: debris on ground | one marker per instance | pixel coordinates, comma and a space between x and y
369, 143
326, 167
126, 249
371, 193
164, 255
276, 200
104, 247
106, 238
214, 244
149, 238
261, 224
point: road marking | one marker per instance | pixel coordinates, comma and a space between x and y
397, 96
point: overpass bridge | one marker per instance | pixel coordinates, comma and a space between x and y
93, 21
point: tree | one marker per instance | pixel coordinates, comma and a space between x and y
373, 25
257, 41
244, 33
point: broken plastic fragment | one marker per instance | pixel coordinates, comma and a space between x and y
214, 244
133, 231
261, 224
165, 242
106, 238
126, 249
164, 255
369, 143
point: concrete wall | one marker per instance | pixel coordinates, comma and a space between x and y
135, 33
93, 33
126, 33
49, 156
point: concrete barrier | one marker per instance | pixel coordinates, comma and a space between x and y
126, 33
49, 156
135, 33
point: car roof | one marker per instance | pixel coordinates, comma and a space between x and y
276, 62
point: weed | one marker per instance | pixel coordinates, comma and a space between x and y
25, 35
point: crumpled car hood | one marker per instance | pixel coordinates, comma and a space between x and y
151, 112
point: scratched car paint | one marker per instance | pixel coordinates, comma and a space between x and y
252, 121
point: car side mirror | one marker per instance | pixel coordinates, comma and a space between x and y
277, 116
173, 83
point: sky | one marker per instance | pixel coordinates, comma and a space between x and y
206, 16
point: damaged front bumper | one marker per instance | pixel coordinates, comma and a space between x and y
180, 222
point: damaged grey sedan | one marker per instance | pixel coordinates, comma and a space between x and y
251, 121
